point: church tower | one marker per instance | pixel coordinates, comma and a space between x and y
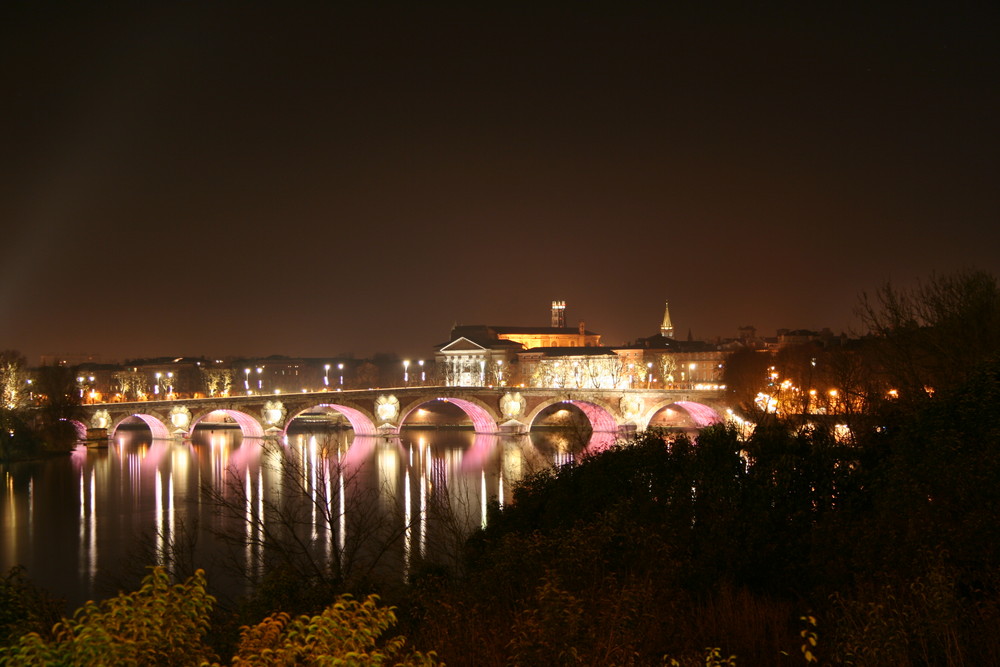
559, 314
667, 327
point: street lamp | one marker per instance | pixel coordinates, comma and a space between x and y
156, 385
246, 380
340, 367
260, 383
326, 375
649, 373
482, 373
423, 376
406, 371
500, 372
170, 383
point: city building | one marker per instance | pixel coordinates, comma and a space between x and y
483, 355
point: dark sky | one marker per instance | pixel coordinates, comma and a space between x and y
306, 179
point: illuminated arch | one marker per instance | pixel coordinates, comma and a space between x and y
250, 427
701, 415
156, 426
359, 421
600, 417
482, 420
79, 427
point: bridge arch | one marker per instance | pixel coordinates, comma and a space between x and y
361, 422
250, 427
698, 415
156, 426
600, 416
483, 418
79, 428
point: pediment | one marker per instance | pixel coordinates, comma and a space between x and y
463, 344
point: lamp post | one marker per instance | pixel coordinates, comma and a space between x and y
170, 383
246, 380
406, 371
260, 382
649, 373
482, 373
326, 375
423, 376
500, 372
340, 367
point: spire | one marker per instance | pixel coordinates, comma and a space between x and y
667, 328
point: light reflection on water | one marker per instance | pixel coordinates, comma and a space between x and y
87, 525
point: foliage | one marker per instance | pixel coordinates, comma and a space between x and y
18, 437
648, 548
160, 624
347, 632
922, 621
164, 624
132, 384
23, 607
217, 380
13, 380
713, 658
59, 404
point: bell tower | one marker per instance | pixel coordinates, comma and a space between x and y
559, 314
667, 327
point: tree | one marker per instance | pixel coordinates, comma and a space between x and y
745, 376
347, 632
160, 624
17, 438
666, 364
328, 530
166, 624
13, 380
933, 336
131, 384
217, 380
60, 405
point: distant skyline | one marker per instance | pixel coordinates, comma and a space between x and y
229, 179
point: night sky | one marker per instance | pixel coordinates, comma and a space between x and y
306, 179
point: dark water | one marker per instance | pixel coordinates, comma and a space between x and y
87, 525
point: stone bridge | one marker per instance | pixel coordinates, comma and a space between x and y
384, 411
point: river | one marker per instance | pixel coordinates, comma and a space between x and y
88, 524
